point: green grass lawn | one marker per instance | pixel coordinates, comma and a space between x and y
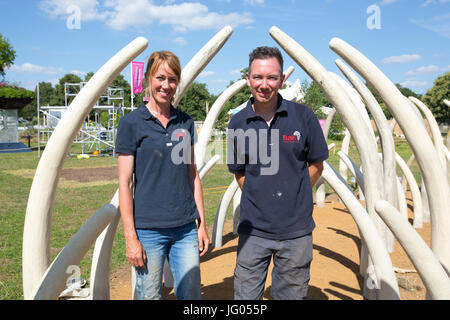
75, 204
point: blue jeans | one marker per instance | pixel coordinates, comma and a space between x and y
291, 267
180, 246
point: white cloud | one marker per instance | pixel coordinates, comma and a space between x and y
427, 70
384, 2
413, 84
439, 24
180, 41
89, 9
402, 59
182, 17
32, 68
253, 2
428, 2
123, 14
206, 74
78, 72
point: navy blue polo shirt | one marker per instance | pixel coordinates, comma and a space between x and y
163, 196
276, 205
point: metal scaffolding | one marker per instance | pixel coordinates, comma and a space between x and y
93, 136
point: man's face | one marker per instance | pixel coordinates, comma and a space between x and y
265, 80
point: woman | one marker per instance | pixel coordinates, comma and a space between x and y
160, 221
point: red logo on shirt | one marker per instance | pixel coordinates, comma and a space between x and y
294, 138
179, 135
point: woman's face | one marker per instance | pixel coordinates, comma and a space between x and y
163, 84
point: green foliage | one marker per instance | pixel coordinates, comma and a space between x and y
194, 101
14, 92
315, 99
434, 98
7, 55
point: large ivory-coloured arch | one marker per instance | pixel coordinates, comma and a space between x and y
377, 250
417, 136
36, 235
200, 60
428, 266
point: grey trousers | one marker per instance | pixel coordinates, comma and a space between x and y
290, 274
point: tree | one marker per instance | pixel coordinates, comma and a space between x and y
194, 101
316, 99
58, 98
7, 55
46, 92
434, 98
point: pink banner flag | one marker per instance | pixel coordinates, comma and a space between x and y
137, 72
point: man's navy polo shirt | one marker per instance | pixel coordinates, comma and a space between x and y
163, 196
278, 206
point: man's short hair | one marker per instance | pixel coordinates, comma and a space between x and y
265, 53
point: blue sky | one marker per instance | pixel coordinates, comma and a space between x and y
409, 40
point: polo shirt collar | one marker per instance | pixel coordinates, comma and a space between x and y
146, 114
250, 113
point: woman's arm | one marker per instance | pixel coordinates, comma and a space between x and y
134, 250
196, 185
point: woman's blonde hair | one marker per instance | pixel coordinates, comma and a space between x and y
155, 60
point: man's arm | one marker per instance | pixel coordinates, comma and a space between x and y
240, 177
315, 171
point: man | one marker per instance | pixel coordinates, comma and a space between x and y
276, 205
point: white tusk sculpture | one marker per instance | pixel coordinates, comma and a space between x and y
221, 213
211, 118
36, 235
377, 250
424, 151
354, 170
354, 97
447, 102
320, 186
328, 122
427, 265
345, 146
415, 192
101, 258
200, 60
362, 136
435, 131
54, 279
211, 162
384, 131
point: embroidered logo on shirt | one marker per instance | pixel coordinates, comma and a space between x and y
294, 138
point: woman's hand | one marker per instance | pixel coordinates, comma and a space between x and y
203, 239
135, 253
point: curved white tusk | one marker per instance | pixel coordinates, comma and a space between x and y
211, 162
427, 265
101, 258
353, 168
434, 128
216, 241
54, 279
328, 122
213, 114
417, 136
36, 235
447, 102
377, 250
415, 191
384, 131
200, 60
